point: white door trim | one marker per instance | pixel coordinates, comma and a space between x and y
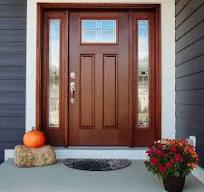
167, 64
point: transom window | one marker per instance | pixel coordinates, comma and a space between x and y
98, 31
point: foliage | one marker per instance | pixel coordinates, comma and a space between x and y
170, 157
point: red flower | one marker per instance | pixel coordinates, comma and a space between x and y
154, 161
166, 155
173, 149
159, 152
168, 165
172, 161
178, 158
162, 169
159, 145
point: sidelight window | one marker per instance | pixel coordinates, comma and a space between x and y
54, 63
143, 73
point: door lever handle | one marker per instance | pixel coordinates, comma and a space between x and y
72, 91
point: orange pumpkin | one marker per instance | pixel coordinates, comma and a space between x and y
34, 139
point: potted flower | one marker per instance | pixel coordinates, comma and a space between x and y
172, 160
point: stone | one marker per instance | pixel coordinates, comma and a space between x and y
34, 157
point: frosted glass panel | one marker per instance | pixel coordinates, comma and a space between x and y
54, 63
143, 74
98, 31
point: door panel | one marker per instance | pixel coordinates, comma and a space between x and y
110, 112
87, 89
99, 115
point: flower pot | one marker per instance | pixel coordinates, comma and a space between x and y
174, 184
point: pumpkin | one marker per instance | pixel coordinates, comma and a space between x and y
34, 139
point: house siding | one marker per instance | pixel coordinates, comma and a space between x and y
190, 71
12, 73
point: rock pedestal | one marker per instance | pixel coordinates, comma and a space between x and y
34, 157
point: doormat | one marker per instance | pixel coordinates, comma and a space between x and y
97, 164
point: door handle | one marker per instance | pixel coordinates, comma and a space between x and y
72, 91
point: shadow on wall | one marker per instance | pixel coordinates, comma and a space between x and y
1, 156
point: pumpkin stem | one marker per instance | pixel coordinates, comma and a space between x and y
33, 128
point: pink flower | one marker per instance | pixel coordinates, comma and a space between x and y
150, 151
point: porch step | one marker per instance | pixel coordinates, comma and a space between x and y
93, 152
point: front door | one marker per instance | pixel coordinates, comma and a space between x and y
99, 61
100, 77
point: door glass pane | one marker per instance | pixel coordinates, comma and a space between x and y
54, 63
143, 73
98, 31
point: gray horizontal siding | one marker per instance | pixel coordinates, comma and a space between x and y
190, 52
12, 73
12, 85
12, 61
13, 11
180, 5
12, 48
12, 35
190, 112
188, 10
191, 97
12, 123
191, 67
12, 23
196, 34
13, 2
190, 23
8, 136
12, 98
11, 110
190, 71
190, 82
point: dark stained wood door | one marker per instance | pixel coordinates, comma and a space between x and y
98, 76
99, 71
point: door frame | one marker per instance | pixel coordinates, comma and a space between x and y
41, 7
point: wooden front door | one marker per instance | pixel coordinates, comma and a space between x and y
98, 116
98, 76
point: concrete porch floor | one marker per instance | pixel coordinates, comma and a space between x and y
59, 178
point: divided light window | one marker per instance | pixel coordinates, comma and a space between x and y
99, 31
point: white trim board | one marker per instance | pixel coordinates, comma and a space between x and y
167, 60
199, 173
95, 153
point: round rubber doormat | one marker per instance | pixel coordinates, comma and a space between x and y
97, 164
